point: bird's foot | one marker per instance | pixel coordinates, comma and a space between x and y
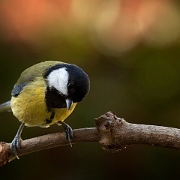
16, 142
15, 145
68, 132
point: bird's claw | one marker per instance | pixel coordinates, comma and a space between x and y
15, 145
68, 132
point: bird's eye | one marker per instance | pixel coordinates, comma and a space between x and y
70, 85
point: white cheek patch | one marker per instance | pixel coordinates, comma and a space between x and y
59, 79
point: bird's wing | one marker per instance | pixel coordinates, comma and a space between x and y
34, 71
31, 73
5, 107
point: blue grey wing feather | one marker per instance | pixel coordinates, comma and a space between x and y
15, 92
17, 89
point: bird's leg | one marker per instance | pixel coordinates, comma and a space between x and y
16, 143
68, 131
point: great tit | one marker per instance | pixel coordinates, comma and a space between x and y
46, 93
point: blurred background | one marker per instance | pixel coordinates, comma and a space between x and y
131, 51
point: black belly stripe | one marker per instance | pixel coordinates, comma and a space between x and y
54, 99
48, 121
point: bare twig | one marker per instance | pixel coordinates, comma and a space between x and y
116, 133
46, 142
112, 133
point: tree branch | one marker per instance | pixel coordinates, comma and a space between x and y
116, 133
112, 133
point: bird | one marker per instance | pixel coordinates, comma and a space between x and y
46, 94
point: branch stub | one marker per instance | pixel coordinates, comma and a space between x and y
105, 124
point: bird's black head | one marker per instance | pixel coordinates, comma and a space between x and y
67, 81
78, 83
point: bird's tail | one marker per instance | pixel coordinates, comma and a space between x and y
5, 107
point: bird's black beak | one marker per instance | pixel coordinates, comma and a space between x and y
69, 103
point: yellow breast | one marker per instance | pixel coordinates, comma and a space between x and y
30, 106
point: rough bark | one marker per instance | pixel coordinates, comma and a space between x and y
112, 133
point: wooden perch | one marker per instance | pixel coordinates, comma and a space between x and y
112, 133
